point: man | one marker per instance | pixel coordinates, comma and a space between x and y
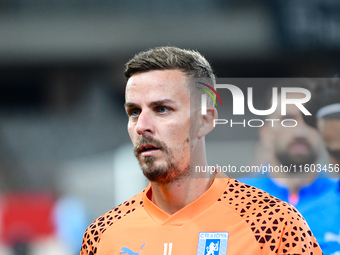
178, 214
325, 109
295, 148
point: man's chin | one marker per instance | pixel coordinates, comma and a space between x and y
150, 165
154, 174
164, 173
146, 161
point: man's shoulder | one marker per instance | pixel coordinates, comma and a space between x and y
268, 217
122, 210
238, 192
94, 232
247, 200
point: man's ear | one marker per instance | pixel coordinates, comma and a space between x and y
265, 136
267, 146
207, 121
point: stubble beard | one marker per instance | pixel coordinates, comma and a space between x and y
168, 172
289, 159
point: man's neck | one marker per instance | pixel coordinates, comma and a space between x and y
172, 197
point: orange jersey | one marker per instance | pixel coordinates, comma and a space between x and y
229, 218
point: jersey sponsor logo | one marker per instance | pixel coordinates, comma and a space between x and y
212, 243
128, 251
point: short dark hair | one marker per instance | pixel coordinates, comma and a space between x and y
326, 92
190, 62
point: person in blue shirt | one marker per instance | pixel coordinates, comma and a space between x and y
325, 109
294, 146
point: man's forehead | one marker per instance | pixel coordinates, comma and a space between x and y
158, 84
161, 76
329, 129
331, 125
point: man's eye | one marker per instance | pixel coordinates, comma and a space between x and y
162, 109
134, 112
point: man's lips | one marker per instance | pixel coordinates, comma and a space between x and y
148, 149
300, 146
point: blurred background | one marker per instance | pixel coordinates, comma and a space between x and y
65, 154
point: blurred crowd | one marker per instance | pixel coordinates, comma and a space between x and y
313, 186
40, 223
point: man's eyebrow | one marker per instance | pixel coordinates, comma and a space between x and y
162, 102
153, 103
130, 105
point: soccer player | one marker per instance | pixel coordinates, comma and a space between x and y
176, 213
325, 109
288, 146
295, 146
291, 147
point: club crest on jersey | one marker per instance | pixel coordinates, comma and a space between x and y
212, 243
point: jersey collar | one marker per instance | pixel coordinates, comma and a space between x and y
188, 212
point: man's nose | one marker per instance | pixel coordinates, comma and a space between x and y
144, 123
301, 129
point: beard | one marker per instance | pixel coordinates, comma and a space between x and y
168, 172
286, 158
